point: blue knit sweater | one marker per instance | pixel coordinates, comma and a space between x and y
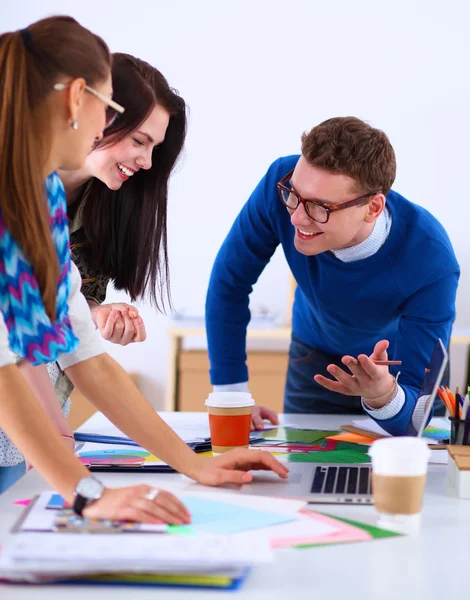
404, 293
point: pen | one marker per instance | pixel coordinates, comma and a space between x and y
454, 401
448, 401
381, 363
464, 415
460, 401
386, 363
445, 401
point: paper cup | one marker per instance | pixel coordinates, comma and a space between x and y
399, 467
229, 420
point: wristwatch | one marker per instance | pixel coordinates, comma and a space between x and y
88, 490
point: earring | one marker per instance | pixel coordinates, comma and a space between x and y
73, 125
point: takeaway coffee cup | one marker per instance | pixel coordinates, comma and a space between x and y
399, 467
229, 420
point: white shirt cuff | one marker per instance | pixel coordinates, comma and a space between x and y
82, 324
392, 408
6, 355
91, 348
232, 387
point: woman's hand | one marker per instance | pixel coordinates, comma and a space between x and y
119, 323
232, 467
140, 503
367, 379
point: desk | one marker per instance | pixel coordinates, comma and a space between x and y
432, 566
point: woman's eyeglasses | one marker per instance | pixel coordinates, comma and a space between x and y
113, 109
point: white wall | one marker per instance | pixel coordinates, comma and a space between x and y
256, 74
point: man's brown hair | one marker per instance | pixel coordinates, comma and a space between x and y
351, 147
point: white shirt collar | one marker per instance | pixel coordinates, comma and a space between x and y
371, 244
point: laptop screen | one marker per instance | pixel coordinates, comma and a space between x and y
428, 390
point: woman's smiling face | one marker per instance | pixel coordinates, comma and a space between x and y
113, 165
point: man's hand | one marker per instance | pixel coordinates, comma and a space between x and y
232, 467
119, 323
367, 379
260, 413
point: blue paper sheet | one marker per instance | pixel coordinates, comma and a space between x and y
210, 516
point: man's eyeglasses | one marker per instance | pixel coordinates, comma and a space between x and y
113, 108
315, 209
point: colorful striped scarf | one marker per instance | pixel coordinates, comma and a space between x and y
31, 334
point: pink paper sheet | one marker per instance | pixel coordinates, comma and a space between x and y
346, 533
22, 502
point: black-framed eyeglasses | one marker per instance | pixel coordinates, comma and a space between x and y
315, 209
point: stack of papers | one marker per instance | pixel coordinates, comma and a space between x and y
228, 535
36, 557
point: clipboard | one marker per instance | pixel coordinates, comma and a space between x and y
129, 468
198, 446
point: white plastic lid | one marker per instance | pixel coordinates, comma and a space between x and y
400, 446
229, 400
400, 456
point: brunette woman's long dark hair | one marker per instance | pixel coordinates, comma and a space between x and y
127, 228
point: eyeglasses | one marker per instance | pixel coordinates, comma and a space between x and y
315, 209
113, 108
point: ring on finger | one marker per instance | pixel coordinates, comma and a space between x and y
152, 494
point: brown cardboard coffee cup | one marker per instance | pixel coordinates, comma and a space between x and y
399, 467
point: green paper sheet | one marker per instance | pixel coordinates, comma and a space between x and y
351, 446
215, 581
181, 530
285, 434
333, 456
376, 532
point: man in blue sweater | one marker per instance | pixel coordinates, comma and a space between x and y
376, 279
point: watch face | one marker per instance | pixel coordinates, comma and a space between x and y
90, 488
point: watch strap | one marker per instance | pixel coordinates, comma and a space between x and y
79, 504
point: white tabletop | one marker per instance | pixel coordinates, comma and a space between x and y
431, 566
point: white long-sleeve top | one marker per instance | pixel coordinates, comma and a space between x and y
90, 345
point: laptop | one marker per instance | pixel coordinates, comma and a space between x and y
328, 483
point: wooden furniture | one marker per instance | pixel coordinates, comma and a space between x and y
267, 379
188, 370
82, 409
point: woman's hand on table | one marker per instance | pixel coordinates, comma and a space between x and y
140, 503
233, 467
366, 379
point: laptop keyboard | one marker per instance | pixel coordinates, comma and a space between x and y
341, 480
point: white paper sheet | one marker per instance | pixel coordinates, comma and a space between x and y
45, 552
189, 426
282, 506
98, 447
439, 457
